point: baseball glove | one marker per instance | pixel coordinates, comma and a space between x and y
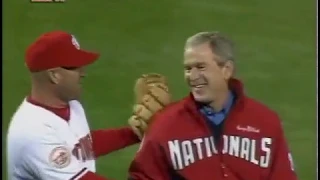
151, 95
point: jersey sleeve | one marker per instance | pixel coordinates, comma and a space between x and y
47, 157
282, 164
106, 141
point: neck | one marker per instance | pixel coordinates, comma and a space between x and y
46, 97
220, 101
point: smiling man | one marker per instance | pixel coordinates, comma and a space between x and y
217, 131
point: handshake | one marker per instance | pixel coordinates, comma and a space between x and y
151, 95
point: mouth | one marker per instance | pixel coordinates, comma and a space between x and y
80, 80
197, 86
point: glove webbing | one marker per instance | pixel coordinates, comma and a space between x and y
145, 104
155, 97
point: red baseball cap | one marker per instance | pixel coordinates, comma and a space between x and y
57, 49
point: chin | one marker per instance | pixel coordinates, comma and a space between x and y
77, 98
202, 99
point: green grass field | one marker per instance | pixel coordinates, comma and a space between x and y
276, 57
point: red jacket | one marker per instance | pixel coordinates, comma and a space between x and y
180, 144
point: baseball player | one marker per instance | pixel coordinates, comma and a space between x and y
49, 137
217, 132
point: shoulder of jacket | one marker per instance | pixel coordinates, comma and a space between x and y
262, 110
172, 110
257, 105
165, 119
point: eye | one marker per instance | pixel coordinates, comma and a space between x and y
70, 68
187, 68
201, 67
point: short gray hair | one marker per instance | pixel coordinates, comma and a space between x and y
220, 44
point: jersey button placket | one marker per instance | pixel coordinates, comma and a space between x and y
223, 167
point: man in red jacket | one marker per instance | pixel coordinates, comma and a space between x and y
217, 132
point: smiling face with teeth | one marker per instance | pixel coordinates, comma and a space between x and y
206, 73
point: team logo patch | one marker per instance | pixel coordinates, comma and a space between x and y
60, 157
75, 42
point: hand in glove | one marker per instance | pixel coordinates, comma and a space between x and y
151, 95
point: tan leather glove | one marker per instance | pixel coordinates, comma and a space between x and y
151, 95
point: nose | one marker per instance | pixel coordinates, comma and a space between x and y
194, 74
82, 73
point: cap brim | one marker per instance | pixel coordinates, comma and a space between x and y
84, 58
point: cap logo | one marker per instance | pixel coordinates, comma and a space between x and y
75, 42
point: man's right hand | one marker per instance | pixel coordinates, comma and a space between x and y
151, 95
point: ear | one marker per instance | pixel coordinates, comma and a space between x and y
227, 70
54, 76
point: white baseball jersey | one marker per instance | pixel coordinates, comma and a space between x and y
44, 146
